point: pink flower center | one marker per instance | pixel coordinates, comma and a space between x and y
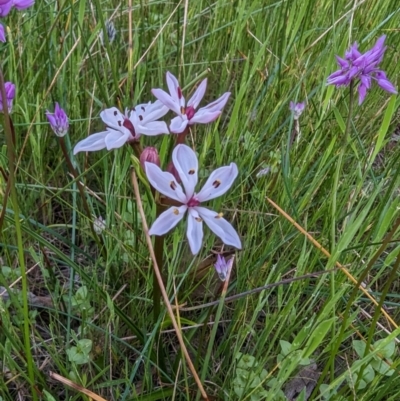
128, 125
190, 112
193, 202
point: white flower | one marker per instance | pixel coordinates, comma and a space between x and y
220, 180
186, 113
99, 225
124, 128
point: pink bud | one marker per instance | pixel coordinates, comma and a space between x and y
171, 169
149, 155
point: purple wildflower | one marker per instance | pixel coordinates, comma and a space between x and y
186, 113
22, 4
362, 67
220, 180
297, 109
2, 34
58, 121
10, 95
223, 267
5, 7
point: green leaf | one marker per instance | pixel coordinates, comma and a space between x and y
387, 351
382, 367
285, 346
359, 347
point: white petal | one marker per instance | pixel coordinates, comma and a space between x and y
167, 100
116, 139
217, 105
204, 117
198, 94
155, 111
91, 143
220, 227
218, 182
167, 220
113, 118
173, 86
152, 128
164, 182
194, 231
178, 124
187, 166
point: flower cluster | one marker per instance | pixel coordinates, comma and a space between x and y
128, 127
362, 67
5, 8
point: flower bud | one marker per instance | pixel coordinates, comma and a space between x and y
99, 225
58, 121
171, 169
149, 155
10, 94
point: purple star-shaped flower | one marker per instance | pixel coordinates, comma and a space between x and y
186, 112
362, 67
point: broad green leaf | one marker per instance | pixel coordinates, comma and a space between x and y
359, 347
285, 346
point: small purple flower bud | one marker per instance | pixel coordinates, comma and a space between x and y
58, 121
223, 267
149, 155
297, 109
2, 34
10, 95
171, 169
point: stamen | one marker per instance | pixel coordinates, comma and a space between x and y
192, 171
172, 185
219, 216
179, 93
199, 219
175, 212
115, 112
216, 183
141, 118
183, 110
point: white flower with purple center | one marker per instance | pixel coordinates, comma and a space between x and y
186, 113
223, 267
220, 180
123, 128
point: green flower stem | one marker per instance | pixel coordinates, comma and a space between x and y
214, 331
81, 189
343, 147
21, 257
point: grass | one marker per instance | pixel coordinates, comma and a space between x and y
73, 311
